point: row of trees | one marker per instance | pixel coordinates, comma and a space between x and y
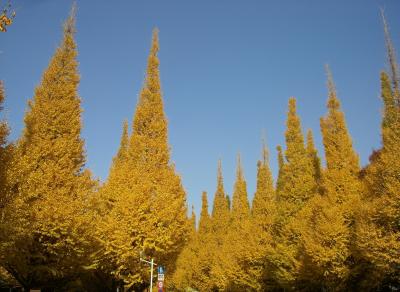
60, 229
332, 228
317, 228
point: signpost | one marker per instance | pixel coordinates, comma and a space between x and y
151, 263
160, 278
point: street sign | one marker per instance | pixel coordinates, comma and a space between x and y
160, 278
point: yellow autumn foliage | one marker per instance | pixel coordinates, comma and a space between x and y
378, 229
329, 219
147, 203
48, 221
296, 186
319, 228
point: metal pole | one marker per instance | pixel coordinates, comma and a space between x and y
151, 276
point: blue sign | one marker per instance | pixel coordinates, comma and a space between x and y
160, 270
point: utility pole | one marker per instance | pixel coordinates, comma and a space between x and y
151, 275
152, 264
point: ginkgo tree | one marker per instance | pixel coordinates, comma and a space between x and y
325, 225
48, 222
147, 203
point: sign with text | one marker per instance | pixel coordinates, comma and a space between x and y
160, 278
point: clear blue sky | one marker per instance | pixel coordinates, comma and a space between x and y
227, 71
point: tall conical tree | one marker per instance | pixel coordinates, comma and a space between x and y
117, 176
240, 246
328, 236
299, 181
108, 197
204, 222
50, 240
220, 211
220, 223
150, 158
264, 201
240, 202
151, 212
205, 253
263, 216
149, 140
297, 187
56, 101
342, 162
264, 197
379, 229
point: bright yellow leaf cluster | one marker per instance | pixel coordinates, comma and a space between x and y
332, 227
